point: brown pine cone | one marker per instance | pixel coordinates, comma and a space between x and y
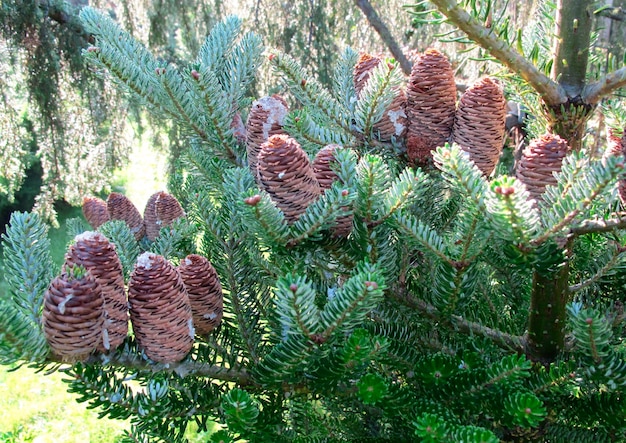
97, 254
617, 146
121, 208
95, 211
479, 125
540, 160
430, 105
159, 309
73, 314
322, 166
266, 118
285, 173
160, 211
205, 292
362, 70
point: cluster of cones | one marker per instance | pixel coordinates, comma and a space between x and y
161, 210
87, 307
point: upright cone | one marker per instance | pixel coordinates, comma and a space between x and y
161, 210
393, 123
73, 314
95, 211
121, 208
266, 118
322, 166
430, 105
479, 124
159, 309
205, 292
97, 254
285, 173
540, 160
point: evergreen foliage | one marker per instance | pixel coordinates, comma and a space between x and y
456, 309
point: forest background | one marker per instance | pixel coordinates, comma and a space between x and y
66, 133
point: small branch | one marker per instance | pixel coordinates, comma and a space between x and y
616, 13
381, 28
593, 92
551, 92
501, 339
188, 367
593, 226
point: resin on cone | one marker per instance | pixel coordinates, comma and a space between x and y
540, 160
160, 311
285, 173
97, 254
266, 118
205, 292
479, 124
161, 210
322, 166
121, 208
95, 211
430, 105
617, 146
73, 314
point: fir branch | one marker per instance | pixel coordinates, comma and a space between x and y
599, 226
551, 92
605, 85
184, 368
616, 255
501, 339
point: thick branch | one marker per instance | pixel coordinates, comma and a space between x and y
592, 226
551, 92
381, 28
501, 339
593, 92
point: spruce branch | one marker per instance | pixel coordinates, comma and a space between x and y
551, 92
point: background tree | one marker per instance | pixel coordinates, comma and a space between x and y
381, 275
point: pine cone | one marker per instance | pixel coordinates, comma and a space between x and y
540, 160
266, 118
73, 314
205, 292
322, 166
121, 208
617, 146
97, 254
160, 211
159, 309
430, 105
362, 70
479, 125
285, 173
95, 211
393, 123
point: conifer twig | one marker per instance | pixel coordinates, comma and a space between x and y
551, 92
593, 92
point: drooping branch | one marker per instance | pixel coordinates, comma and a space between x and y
381, 28
551, 92
593, 92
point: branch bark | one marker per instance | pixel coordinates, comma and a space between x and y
593, 92
381, 28
549, 90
